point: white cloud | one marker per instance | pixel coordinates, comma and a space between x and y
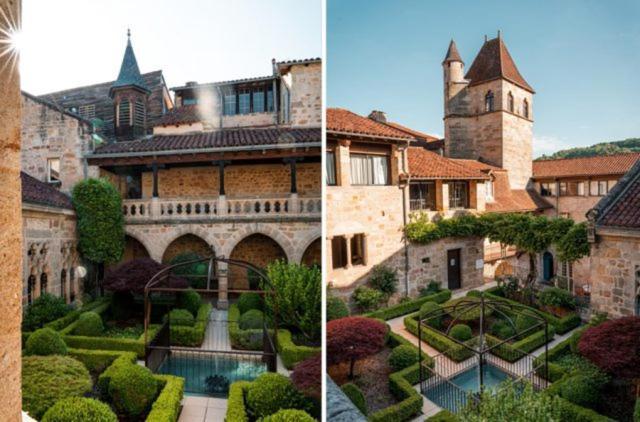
548, 144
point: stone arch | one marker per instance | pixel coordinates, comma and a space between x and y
133, 249
306, 241
275, 234
143, 240
312, 254
187, 242
163, 243
257, 249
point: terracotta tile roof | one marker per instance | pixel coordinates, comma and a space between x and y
425, 164
416, 134
602, 165
228, 138
479, 165
181, 115
493, 62
513, 200
345, 121
40, 193
620, 208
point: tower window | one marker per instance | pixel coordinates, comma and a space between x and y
230, 104
53, 170
140, 113
525, 108
124, 113
488, 102
510, 102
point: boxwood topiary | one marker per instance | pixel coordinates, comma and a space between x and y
248, 301
181, 317
461, 332
44, 342
526, 320
190, 300
356, 396
289, 415
45, 308
132, 388
251, 320
434, 311
467, 308
79, 409
271, 392
336, 308
582, 389
89, 324
402, 357
502, 329
48, 379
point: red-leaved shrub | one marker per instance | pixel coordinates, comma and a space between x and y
133, 275
614, 346
352, 338
306, 376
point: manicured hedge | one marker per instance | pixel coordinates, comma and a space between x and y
437, 340
555, 371
513, 352
192, 336
573, 412
442, 416
104, 379
109, 343
96, 361
236, 408
290, 352
409, 306
61, 323
99, 309
242, 339
166, 407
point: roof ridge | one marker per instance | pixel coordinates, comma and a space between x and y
587, 157
91, 85
624, 184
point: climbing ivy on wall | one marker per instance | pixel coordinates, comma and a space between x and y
100, 222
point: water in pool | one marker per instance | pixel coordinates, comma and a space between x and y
211, 375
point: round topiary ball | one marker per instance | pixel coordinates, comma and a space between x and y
44, 342
79, 409
289, 415
432, 312
271, 392
89, 324
251, 320
461, 332
336, 308
190, 300
132, 389
181, 317
402, 357
249, 301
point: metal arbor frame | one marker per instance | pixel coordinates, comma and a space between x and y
160, 283
481, 347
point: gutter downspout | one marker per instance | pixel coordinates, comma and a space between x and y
221, 104
404, 219
276, 74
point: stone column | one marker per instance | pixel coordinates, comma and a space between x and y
343, 164
329, 253
348, 248
222, 198
365, 249
223, 285
294, 203
10, 219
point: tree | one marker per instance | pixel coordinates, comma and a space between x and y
307, 376
133, 276
353, 338
575, 244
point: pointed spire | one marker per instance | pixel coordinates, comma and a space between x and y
129, 75
452, 53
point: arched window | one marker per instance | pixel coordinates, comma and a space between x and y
488, 102
510, 102
525, 108
63, 284
31, 288
43, 283
124, 113
72, 284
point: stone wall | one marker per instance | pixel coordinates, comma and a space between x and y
305, 84
185, 244
615, 265
259, 250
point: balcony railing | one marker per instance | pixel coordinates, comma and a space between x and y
212, 208
421, 205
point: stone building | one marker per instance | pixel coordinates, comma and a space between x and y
614, 234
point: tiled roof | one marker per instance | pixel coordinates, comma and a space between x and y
412, 132
227, 138
219, 83
129, 72
37, 192
493, 62
452, 53
299, 61
620, 208
513, 200
602, 165
425, 164
345, 121
478, 165
181, 115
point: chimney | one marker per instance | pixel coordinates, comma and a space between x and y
378, 116
192, 83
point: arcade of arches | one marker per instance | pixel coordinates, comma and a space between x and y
184, 244
258, 249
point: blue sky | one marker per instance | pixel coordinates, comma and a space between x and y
69, 43
581, 56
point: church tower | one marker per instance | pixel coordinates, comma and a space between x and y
129, 93
488, 113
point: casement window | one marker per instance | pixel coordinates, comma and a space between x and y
510, 105
341, 257
602, 187
525, 108
270, 100
422, 196
357, 249
53, 170
339, 252
488, 101
88, 111
548, 189
244, 102
369, 170
563, 188
488, 189
331, 168
580, 188
257, 101
139, 116
124, 113
229, 104
458, 195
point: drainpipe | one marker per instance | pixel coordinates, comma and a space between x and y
275, 97
404, 219
221, 105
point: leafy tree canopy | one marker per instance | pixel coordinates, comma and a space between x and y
604, 148
133, 276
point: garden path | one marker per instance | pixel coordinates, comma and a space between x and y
217, 335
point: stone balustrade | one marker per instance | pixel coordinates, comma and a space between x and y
142, 210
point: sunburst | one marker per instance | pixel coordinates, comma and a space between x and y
10, 41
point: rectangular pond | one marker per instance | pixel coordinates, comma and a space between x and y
211, 373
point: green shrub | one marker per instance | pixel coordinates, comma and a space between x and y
526, 320
584, 386
291, 353
44, 342
189, 300
271, 392
367, 298
466, 309
554, 296
44, 309
89, 324
402, 357
79, 409
132, 389
242, 339
356, 396
410, 306
236, 409
192, 336
96, 361
384, 279
289, 415
474, 293
432, 288
195, 273
181, 317
443, 416
166, 408
461, 332
48, 379
435, 310
502, 329
104, 379
636, 412
248, 301
437, 340
252, 320
336, 308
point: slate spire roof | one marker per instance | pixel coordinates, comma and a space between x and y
129, 75
452, 53
494, 62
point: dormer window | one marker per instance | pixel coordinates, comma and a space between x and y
488, 102
510, 102
525, 108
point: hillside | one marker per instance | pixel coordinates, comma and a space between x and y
603, 148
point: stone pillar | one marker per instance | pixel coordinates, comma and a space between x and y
365, 249
223, 285
10, 219
343, 164
222, 198
442, 196
348, 248
329, 253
